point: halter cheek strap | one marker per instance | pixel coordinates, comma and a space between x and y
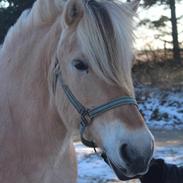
87, 115
87, 118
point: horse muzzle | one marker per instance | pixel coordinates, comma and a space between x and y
128, 152
133, 165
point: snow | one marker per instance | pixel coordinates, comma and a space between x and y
161, 108
170, 154
91, 167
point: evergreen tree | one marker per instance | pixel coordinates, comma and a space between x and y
9, 15
173, 20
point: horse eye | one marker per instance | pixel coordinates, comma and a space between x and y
80, 65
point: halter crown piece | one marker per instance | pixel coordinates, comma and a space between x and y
88, 115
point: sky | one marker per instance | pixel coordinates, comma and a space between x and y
146, 36
4, 4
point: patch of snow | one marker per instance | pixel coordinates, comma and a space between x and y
91, 167
171, 154
161, 109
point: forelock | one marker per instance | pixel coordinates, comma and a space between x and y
106, 37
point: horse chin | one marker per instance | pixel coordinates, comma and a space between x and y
119, 171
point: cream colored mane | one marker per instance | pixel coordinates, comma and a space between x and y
106, 35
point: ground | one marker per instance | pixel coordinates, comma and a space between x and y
162, 108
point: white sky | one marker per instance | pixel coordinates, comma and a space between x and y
146, 36
4, 4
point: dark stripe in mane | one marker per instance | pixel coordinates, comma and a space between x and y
105, 25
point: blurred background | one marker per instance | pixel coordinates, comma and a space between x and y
157, 74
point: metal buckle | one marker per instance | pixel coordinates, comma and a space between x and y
85, 119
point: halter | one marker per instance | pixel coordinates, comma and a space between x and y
87, 115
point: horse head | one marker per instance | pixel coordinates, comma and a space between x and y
93, 60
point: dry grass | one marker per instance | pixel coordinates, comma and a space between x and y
155, 55
165, 74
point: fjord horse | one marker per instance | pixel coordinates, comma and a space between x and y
90, 45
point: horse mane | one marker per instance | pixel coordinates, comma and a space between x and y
106, 34
15, 30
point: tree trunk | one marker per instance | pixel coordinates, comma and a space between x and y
176, 48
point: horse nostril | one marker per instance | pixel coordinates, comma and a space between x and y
135, 162
124, 153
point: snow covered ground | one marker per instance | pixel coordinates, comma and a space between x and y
161, 108
92, 168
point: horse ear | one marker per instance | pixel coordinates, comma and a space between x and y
134, 4
73, 12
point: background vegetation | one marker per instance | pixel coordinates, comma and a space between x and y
10, 10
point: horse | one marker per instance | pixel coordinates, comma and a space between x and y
59, 62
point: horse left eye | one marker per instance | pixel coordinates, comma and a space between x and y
80, 65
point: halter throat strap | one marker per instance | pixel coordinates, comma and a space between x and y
87, 115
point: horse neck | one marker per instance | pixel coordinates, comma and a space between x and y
24, 79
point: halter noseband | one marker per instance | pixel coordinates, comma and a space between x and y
87, 115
